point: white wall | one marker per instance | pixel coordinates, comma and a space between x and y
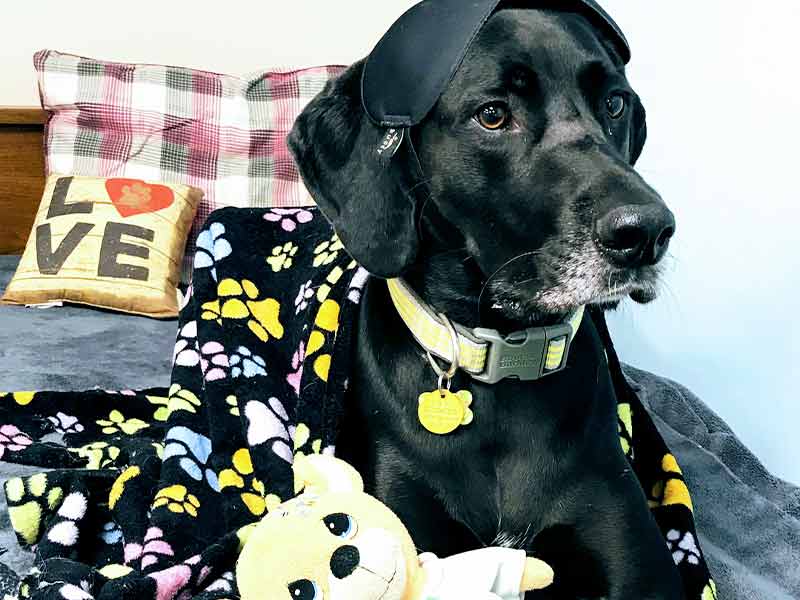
722, 92
225, 36
723, 97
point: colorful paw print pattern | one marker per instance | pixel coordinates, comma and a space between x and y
150, 493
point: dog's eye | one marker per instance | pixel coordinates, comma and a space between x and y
493, 116
303, 589
340, 525
616, 104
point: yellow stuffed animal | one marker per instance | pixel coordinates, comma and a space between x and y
334, 542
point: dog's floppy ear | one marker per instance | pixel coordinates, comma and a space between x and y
364, 195
638, 131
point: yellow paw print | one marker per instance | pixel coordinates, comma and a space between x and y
21, 398
327, 320
114, 571
181, 399
117, 422
625, 427
302, 434
254, 495
119, 485
282, 257
162, 412
332, 279
672, 489
177, 499
159, 448
97, 454
239, 301
327, 252
233, 403
27, 516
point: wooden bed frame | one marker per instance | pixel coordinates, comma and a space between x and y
21, 174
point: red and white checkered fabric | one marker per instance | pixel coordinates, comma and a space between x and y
220, 133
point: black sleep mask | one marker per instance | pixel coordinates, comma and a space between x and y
410, 68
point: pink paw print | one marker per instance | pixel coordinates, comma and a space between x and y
154, 548
289, 217
11, 438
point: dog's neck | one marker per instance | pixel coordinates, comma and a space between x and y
450, 282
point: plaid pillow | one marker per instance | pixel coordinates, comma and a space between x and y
222, 134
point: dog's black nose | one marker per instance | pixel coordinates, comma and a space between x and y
344, 561
635, 235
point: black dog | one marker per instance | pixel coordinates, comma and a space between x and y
529, 208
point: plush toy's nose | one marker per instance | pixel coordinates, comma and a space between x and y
344, 561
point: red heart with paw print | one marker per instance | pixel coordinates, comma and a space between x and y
135, 197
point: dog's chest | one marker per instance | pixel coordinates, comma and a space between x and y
502, 474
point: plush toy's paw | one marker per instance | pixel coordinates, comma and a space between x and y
536, 576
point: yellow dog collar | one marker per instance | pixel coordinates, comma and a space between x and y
485, 354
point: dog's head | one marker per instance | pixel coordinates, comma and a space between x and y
527, 202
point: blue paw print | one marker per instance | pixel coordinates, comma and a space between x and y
244, 362
193, 449
111, 533
211, 248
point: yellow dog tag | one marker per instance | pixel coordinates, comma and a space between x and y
442, 412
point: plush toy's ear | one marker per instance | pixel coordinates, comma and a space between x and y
321, 474
367, 197
638, 131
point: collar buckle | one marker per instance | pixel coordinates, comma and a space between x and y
527, 355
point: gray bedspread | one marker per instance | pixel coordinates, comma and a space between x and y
75, 348
749, 521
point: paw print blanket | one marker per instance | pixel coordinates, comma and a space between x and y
147, 494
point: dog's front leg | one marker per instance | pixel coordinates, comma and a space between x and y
618, 531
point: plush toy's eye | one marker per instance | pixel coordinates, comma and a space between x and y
340, 525
303, 589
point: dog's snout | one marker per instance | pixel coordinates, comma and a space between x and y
635, 235
344, 561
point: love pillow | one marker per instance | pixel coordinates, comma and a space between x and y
112, 243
